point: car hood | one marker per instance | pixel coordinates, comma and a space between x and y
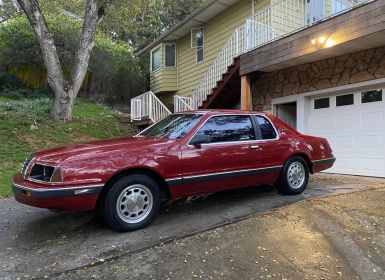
88, 150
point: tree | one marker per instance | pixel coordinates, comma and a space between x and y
65, 90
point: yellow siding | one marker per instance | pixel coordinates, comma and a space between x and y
216, 32
165, 78
289, 17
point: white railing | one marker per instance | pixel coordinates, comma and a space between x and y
182, 103
147, 105
278, 20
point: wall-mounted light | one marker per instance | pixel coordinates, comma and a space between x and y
323, 42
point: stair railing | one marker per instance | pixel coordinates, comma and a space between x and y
148, 105
182, 103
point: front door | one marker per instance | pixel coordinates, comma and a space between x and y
229, 161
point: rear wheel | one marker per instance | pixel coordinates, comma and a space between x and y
131, 203
294, 176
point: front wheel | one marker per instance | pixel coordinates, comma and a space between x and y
131, 203
294, 176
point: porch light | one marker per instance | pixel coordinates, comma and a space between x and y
323, 42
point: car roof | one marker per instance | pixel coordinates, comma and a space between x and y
223, 112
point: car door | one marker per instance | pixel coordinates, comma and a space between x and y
271, 149
228, 162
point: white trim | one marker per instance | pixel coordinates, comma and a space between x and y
160, 63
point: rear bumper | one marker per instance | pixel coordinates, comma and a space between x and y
323, 164
71, 198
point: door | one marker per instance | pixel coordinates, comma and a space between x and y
228, 162
354, 124
315, 11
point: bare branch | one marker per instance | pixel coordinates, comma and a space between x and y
93, 15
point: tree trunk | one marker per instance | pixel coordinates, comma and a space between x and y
65, 90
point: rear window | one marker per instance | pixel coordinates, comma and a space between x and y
267, 129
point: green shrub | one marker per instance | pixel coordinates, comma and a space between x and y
9, 82
23, 93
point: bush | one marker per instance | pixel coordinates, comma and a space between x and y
9, 82
31, 111
24, 93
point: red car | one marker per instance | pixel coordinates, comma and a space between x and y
184, 154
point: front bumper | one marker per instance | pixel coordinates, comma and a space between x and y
68, 198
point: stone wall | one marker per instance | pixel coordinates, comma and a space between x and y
347, 69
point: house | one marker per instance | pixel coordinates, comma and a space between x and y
319, 65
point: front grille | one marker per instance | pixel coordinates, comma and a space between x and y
41, 172
24, 167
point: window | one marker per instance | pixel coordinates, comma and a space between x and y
228, 129
155, 59
371, 96
343, 100
321, 103
173, 127
170, 55
267, 129
197, 42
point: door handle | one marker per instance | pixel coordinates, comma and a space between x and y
256, 147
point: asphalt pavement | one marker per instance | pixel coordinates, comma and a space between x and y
37, 243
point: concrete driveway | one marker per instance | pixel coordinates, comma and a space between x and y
38, 243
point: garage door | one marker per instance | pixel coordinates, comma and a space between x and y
354, 124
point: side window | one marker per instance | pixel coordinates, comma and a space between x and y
228, 128
155, 59
197, 42
267, 129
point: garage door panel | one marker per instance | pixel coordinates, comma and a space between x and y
356, 133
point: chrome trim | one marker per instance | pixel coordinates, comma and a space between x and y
179, 180
54, 189
236, 142
324, 159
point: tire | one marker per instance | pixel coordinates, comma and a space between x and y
130, 203
294, 176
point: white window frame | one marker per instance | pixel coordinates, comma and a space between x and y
194, 45
165, 56
160, 62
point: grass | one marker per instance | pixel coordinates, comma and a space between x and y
90, 122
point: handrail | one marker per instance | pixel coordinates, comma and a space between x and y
182, 103
274, 22
148, 105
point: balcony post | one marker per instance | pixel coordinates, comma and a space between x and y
246, 103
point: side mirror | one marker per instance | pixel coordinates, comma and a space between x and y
199, 139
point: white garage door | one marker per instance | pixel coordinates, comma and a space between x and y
354, 124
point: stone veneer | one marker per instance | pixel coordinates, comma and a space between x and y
338, 71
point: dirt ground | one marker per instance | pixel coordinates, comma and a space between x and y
339, 236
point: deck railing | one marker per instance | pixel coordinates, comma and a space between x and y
147, 105
280, 19
182, 103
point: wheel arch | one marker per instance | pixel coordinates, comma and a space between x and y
305, 157
164, 189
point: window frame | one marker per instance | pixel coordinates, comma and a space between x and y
259, 128
196, 47
257, 131
151, 59
165, 55
343, 95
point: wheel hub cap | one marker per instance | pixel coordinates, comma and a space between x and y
134, 203
296, 175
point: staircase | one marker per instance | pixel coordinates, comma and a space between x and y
220, 86
225, 94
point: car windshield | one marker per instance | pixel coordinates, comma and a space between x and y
173, 127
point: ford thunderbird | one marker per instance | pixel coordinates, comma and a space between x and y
182, 155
